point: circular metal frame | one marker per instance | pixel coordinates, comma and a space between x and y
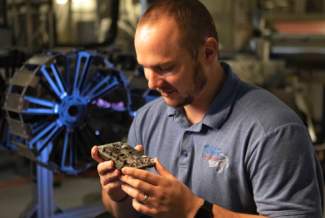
54, 99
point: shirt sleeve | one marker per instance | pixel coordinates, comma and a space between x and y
285, 174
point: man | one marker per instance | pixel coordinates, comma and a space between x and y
221, 143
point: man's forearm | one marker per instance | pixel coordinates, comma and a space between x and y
119, 209
219, 212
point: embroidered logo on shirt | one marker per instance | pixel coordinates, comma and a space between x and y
215, 157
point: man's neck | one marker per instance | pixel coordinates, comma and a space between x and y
199, 107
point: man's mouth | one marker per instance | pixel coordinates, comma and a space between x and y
166, 94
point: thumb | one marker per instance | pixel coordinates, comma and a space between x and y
139, 148
161, 169
94, 152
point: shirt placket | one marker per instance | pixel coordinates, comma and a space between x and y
186, 149
185, 156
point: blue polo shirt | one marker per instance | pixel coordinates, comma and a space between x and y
250, 153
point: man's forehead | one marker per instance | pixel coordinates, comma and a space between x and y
162, 29
157, 39
144, 31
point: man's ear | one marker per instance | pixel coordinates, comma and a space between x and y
211, 49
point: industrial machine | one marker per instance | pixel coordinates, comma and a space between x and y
55, 98
10, 59
58, 105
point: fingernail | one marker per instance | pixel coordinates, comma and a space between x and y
122, 186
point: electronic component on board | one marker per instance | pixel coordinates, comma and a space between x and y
123, 155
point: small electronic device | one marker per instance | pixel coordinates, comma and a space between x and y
205, 211
123, 155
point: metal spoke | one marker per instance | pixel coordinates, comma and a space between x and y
105, 91
91, 83
39, 111
85, 74
50, 137
91, 95
87, 88
58, 77
49, 79
73, 160
48, 88
81, 78
76, 85
76, 75
40, 101
42, 133
65, 148
40, 127
94, 89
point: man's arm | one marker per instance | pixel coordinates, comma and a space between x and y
122, 209
167, 196
112, 192
282, 168
219, 212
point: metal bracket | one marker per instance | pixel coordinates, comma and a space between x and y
24, 78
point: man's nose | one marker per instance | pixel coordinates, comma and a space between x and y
154, 79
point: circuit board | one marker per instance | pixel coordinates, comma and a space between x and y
123, 155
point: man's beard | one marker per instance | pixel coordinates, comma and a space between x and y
199, 81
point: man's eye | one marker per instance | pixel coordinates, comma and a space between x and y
167, 69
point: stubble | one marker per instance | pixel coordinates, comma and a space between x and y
199, 82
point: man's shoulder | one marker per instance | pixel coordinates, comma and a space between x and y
265, 108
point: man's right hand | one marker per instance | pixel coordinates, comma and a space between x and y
109, 175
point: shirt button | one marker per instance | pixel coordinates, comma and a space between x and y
189, 133
185, 154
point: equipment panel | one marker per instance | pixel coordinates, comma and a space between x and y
123, 155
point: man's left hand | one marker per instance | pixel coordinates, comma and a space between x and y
167, 196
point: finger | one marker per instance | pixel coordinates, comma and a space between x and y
143, 175
110, 177
137, 194
143, 208
161, 169
114, 184
138, 184
139, 148
94, 152
104, 167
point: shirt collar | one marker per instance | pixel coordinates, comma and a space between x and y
221, 105
170, 111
